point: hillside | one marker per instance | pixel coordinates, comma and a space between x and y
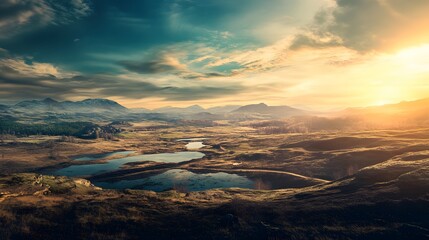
407, 113
84, 106
350, 208
273, 111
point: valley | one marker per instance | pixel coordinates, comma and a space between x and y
281, 177
214, 120
243, 177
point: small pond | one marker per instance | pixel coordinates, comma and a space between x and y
193, 143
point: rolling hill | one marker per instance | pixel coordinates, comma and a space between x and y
88, 105
274, 111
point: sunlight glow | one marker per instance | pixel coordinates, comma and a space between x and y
414, 59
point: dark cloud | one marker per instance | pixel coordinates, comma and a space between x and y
367, 25
302, 40
11, 76
47, 29
166, 63
138, 90
111, 86
214, 74
19, 80
3, 52
202, 76
15, 84
150, 67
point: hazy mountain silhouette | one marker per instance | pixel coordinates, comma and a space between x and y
275, 111
391, 115
223, 109
85, 106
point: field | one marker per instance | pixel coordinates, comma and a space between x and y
318, 185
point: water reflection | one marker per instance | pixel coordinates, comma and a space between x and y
182, 180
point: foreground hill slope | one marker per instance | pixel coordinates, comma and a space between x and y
389, 200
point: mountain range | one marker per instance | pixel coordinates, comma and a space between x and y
106, 106
105, 109
186, 110
84, 106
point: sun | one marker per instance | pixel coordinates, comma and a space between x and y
415, 59
383, 102
388, 95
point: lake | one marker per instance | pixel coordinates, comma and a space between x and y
170, 179
91, 157
182, 180
116, 164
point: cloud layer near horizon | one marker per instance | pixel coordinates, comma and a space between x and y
21, 80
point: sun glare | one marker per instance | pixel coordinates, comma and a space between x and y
414, 59
388, 95
398, 77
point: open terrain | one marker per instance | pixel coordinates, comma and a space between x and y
214, 119
320, 185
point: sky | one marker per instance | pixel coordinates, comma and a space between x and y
313, 54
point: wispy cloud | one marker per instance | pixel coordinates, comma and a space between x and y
168, 61
24, 15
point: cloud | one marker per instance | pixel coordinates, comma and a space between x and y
161, 64
135, 88
139, 90
24, 15
21, 79
203, 76
368, 25
314, 41
167, 62
258, 60
3, 52
362, 26
25, 67
240, 19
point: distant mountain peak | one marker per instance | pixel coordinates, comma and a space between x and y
100, 100
196, 107
49, 100
180, 110
252, 108
276, 111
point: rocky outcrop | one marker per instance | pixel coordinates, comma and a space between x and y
36, 184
